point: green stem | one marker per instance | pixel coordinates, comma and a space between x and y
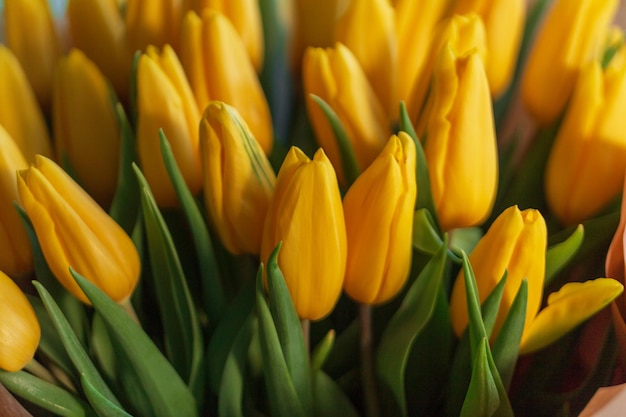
40, 371
370, 396
306, 333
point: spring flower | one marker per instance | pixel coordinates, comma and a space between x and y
38, 48
165, 101
16, 257
74, 231
460, 147
379, 210
238, 178
590, 147
314, 26
86, 131
219, 68
152, 23
367, 29
307, 216
21, 115
571, 37
336, 76
19, 327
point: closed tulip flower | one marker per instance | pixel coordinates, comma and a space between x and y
585, 169
335, 75
314, 25
238, 178
21, 115
379, 210
37, 49
152, 23
165, 101
219, 68
460, 147
86, 131
367, 28
74, 231
570, 38
16, 257
307, 216
19, 327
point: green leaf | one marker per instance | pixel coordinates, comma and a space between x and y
330, 400
99, 402
491, 306
413, 314
426, 238
477, 331
559, 255
349, 162
44, 394
289, 330
183, 336
282, 395
482, 396
322, 350
155, 375
72, 345
232, 383
212, 286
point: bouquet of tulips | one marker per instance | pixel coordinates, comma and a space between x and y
301, 208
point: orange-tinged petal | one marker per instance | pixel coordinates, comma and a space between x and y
152, 23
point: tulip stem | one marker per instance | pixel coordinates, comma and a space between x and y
38, 370
306, 333
370, 396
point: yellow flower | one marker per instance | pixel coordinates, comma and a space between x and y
571, 37
19, 327
86, 131
31, 36
336, 76
314, 25
585, 169
165, 101
238, 178
74, 231
378, 209
306, 215
504, 26
21, 115
246, 19
152, 23
367, 28
219, 68
460, 147
16, 257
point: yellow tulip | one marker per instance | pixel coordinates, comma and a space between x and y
245, 16
31, 36
238, 178
21, 115
74, 231
460, 148
86, 131
219, 68
152, 23
19, 327
165, 101
504, 27
585, 169
570, 38
306, 215
336, 76
367, 28
378, 209
314, 25
16, 257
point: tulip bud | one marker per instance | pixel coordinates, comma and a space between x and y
16, 257
152, 23
571, 37
219, 68
21, 115
378, 209
335, 75
460, 148
19, 327
306, 215
238, 178
74, 231
367, 28
314, 26
37, 48
86, 131
165, 101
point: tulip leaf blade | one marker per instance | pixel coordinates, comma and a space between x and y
409, 320
322, 350
560, 254
330, 400
232, 383
100, 403
168, 393
491, 306
46, 395
349, 162
482, 395
282, 395
212, 287
426, 238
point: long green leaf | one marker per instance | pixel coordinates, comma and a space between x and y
232, 383
330, 400
100, 403
559, 255
482, 398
